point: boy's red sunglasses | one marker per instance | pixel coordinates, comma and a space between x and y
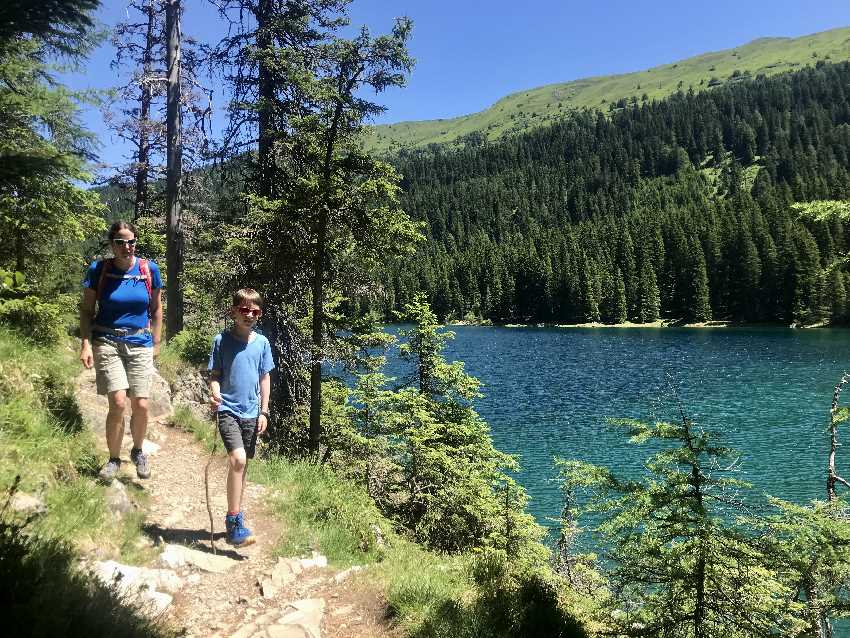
250, 312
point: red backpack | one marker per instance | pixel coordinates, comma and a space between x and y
145, 273
144, 269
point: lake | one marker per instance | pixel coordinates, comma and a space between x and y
767, 391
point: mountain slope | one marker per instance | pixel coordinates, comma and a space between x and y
544, 105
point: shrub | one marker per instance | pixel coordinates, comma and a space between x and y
193, 344
45, 594
39, 321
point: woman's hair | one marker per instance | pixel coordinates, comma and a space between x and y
247, 295
120, 225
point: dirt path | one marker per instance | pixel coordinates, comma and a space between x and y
309, 604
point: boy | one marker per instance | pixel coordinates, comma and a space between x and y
240, 363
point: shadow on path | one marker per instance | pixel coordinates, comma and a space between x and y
198, 539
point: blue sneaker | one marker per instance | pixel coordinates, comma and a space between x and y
237, 533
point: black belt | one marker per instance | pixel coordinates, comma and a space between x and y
120, 332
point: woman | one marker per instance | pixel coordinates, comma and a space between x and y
122, 339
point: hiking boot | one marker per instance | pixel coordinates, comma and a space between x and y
110, 470
237, 533
143, 468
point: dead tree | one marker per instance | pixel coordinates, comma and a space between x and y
174, 172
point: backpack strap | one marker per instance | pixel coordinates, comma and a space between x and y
145, 271
106, 266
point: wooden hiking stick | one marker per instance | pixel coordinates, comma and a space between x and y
207, 491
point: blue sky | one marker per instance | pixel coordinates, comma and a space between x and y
470, 53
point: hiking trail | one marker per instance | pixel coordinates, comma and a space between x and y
240, 592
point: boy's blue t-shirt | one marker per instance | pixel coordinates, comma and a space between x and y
125, 302
241, 365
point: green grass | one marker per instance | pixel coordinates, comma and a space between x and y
544, 105
428, 595
43, 440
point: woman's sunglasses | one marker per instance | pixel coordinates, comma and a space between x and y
250, 312
129, 243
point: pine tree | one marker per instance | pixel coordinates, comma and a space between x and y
677, 564
649, 302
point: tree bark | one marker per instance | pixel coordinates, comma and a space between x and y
265, 185
174, 249
145, 98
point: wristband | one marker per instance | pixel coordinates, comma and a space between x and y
264, 413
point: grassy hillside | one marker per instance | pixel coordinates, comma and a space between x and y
537, 107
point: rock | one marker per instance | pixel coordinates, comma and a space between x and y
301, 619
176, 556
268, 588
345, 575
140, 584
190, 388
158, 602
159, 401
194, 579
167, 580
285, 571
149, 447
27, 504
117, 500
245, 631
316, 561
379, 536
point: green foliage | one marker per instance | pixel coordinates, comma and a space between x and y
193, 344
808, 546
11, 283
323, 511
40, 573
677, 562
695, 191
428, 594
41, 429
44, 215
37, 320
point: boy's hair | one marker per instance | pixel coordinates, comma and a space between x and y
247, 295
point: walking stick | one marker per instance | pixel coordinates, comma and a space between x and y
207, 491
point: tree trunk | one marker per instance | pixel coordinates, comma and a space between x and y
265, 159
318, 332
174, 250
145, 98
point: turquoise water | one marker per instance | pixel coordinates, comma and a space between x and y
767, 392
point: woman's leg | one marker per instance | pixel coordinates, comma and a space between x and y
115, 422
139, 420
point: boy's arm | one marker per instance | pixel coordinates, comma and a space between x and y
265, 391
215, 389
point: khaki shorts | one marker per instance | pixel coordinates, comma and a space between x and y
121, 366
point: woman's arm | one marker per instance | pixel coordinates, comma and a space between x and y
156, 318
87, 306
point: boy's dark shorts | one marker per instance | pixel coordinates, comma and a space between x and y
236, 433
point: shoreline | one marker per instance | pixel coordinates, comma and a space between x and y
661, 323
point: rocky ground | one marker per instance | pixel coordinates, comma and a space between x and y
246, 592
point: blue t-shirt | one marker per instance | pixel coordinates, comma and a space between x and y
125, 302
241, 365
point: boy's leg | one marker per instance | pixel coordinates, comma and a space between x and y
235, 479
229, 428
248, 428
